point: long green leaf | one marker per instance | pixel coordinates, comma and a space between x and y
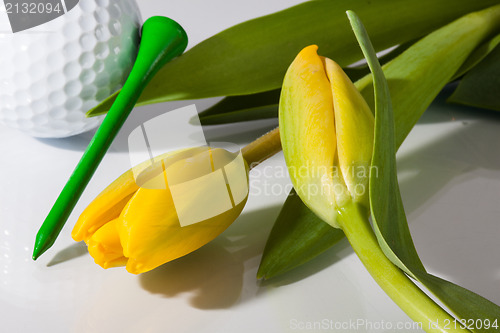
422, 69
302, 243
480, 87
234, 109
475, 312
388, 216
265, 105
253, 56
386, 205
477, 56
417, 76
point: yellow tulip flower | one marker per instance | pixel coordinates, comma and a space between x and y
174, 207
326, 132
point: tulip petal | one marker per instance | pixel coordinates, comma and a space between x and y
150, 231
307, 131
105, 247
354, 126
109, 204
155, 238
106, 207
140, 227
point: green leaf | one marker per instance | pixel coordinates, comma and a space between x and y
388, 216
301, 244
477, 56
253, 56
480, 87
416, 77
473, 309
265, 105
242, 108
246, 114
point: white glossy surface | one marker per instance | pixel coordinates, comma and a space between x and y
450, 180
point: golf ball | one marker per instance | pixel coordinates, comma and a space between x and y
52, 74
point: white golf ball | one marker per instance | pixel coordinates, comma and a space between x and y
52, 74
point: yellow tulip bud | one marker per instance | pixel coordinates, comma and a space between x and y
326, 130
185, 200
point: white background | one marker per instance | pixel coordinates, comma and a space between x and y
450, 180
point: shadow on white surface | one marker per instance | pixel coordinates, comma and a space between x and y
450, 185
213, 275
428, 169
75, 143
71, 252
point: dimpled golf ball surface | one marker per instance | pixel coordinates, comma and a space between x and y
51, 75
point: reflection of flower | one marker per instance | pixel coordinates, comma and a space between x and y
139, 226
326, 131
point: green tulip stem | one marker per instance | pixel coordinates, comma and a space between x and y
353, 219
262, 148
